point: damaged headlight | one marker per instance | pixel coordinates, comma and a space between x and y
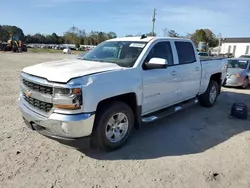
68, 98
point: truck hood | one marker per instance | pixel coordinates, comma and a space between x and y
64, 70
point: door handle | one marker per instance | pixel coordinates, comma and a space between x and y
197, 68
173, 73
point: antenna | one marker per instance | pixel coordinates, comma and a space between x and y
153, 20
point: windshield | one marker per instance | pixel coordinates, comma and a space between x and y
239, 64
122, 53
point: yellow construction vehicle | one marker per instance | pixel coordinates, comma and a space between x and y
14, 45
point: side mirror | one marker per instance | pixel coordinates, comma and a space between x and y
156, 63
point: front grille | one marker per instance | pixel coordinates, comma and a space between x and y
43, 106
38, 88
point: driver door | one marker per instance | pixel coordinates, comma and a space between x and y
160, 86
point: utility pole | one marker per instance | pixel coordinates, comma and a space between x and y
219, 48
153, 20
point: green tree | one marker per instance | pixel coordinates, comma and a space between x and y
111, 35
6, 30
204, 35
172, 33
129, 35
201, 35
211, 39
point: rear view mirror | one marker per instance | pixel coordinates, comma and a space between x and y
156, 63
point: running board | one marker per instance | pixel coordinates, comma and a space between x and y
168, 111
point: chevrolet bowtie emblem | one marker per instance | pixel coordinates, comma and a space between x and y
27, 93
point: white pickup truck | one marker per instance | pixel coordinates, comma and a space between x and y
100, 97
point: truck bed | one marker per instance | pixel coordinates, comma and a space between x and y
203, 58
211, 66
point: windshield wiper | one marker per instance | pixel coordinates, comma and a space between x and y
92, 60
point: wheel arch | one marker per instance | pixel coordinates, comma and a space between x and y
130, 99
217, 78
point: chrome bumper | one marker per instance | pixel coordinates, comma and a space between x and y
234, 81
60, 125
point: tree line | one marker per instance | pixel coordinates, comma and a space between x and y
73, 36
79, 36
200, 35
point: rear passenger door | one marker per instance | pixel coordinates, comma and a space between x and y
189, 69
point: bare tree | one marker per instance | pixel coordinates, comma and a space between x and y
165, 32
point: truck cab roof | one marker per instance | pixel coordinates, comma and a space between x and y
146, 39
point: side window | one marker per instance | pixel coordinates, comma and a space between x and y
185, 51
161, 50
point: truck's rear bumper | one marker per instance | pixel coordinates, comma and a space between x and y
67, 129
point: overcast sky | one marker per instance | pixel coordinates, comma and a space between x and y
228, 17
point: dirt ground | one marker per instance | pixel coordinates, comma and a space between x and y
195, 148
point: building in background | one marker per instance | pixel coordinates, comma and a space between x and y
236, 46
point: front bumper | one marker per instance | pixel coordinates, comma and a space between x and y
66, 129
234, 81
83, 142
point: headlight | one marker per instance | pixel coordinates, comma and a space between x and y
68, 99
62, 91
67, 91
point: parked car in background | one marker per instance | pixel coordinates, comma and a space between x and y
67, 50
227, 55
245, 56
115, 87
238, 72
205, 54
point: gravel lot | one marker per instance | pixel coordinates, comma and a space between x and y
197, 147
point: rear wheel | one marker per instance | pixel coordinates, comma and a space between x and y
245, 83
113, 126
209, 98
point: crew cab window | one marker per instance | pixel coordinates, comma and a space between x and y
161, 50
185, 51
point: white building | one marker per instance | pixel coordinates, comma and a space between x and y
236, 46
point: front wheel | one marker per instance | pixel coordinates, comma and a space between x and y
113, 126
245, 83
209, 98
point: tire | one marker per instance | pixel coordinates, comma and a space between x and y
209, 98
245, 83
102, 132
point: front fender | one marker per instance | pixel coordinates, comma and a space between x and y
110, 84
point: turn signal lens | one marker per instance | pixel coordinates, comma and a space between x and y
76, 91
68, 106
